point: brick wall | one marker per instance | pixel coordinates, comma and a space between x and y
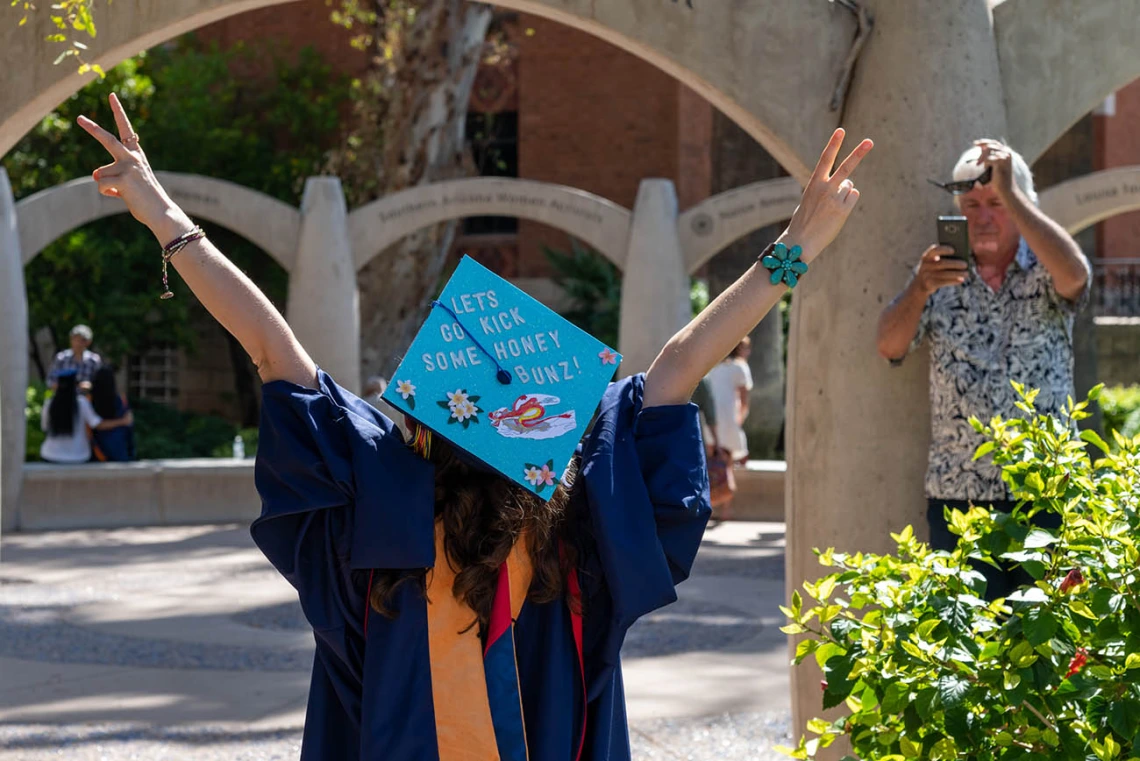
206, 377
695, 149
595, 117
292, 27
1118, 144
590, 116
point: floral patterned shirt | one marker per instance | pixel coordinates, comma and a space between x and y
980, 340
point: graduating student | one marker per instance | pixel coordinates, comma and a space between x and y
467, 605
67, 417
117, 444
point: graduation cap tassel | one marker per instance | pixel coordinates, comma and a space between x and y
502, 375
421, 440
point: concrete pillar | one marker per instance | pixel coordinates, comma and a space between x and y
858, 430
13, 358
323, 307
655, 284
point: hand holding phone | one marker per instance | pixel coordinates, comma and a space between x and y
938, 268
954, 233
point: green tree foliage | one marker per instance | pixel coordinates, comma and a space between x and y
929, 670
268, 131
593, 288
592, 285
72, 19
33, 408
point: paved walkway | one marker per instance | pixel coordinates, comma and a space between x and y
183, 643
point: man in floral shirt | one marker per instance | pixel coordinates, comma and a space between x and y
1006, 316
78, 358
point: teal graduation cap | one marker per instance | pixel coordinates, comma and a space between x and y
503, 378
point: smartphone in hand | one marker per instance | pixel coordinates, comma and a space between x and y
953, 232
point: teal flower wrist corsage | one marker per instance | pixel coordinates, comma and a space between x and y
784, 264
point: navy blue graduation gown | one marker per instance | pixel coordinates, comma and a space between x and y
117, 444
343, 494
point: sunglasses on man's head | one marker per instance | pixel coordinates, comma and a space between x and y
965, 186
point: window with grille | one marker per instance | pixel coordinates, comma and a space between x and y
154, 376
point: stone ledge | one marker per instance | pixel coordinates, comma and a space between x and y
760, 491
146, 493
220, 490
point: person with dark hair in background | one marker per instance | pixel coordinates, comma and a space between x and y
116, 444
65, 418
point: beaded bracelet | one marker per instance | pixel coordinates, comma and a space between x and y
172, 248
784, 264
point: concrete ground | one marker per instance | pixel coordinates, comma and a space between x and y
183, 643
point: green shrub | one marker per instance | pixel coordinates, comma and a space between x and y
1121, 408
593, 286
162, 431
34, 400
248, 435
929, 670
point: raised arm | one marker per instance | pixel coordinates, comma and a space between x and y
1050, 243
223, 289
826, 203
110, 424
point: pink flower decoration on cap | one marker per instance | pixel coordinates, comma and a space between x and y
608, 357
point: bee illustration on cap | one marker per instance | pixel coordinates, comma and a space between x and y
527, 419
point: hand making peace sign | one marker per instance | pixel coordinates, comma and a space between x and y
828, 198
130, 177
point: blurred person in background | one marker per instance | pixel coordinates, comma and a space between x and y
731, 383
116, 444
78, 358
66, 417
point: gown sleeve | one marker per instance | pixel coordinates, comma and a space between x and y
340, 492
646, 484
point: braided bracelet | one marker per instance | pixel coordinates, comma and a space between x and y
172, 248
783, 263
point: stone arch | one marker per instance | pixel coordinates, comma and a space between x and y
1083, 201
310, 244
715, 50
597, 221
772, 66
268, 223
123, 32
707, 228
1079, 56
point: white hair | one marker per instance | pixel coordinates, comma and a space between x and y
968, 167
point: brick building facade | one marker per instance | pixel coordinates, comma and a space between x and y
566, 108
1116, 130
578, 111
569, 108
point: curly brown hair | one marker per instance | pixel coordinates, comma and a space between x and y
483, 515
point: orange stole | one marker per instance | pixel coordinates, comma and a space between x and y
464, 730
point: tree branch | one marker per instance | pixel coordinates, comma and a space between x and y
866, 25
1037, 713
